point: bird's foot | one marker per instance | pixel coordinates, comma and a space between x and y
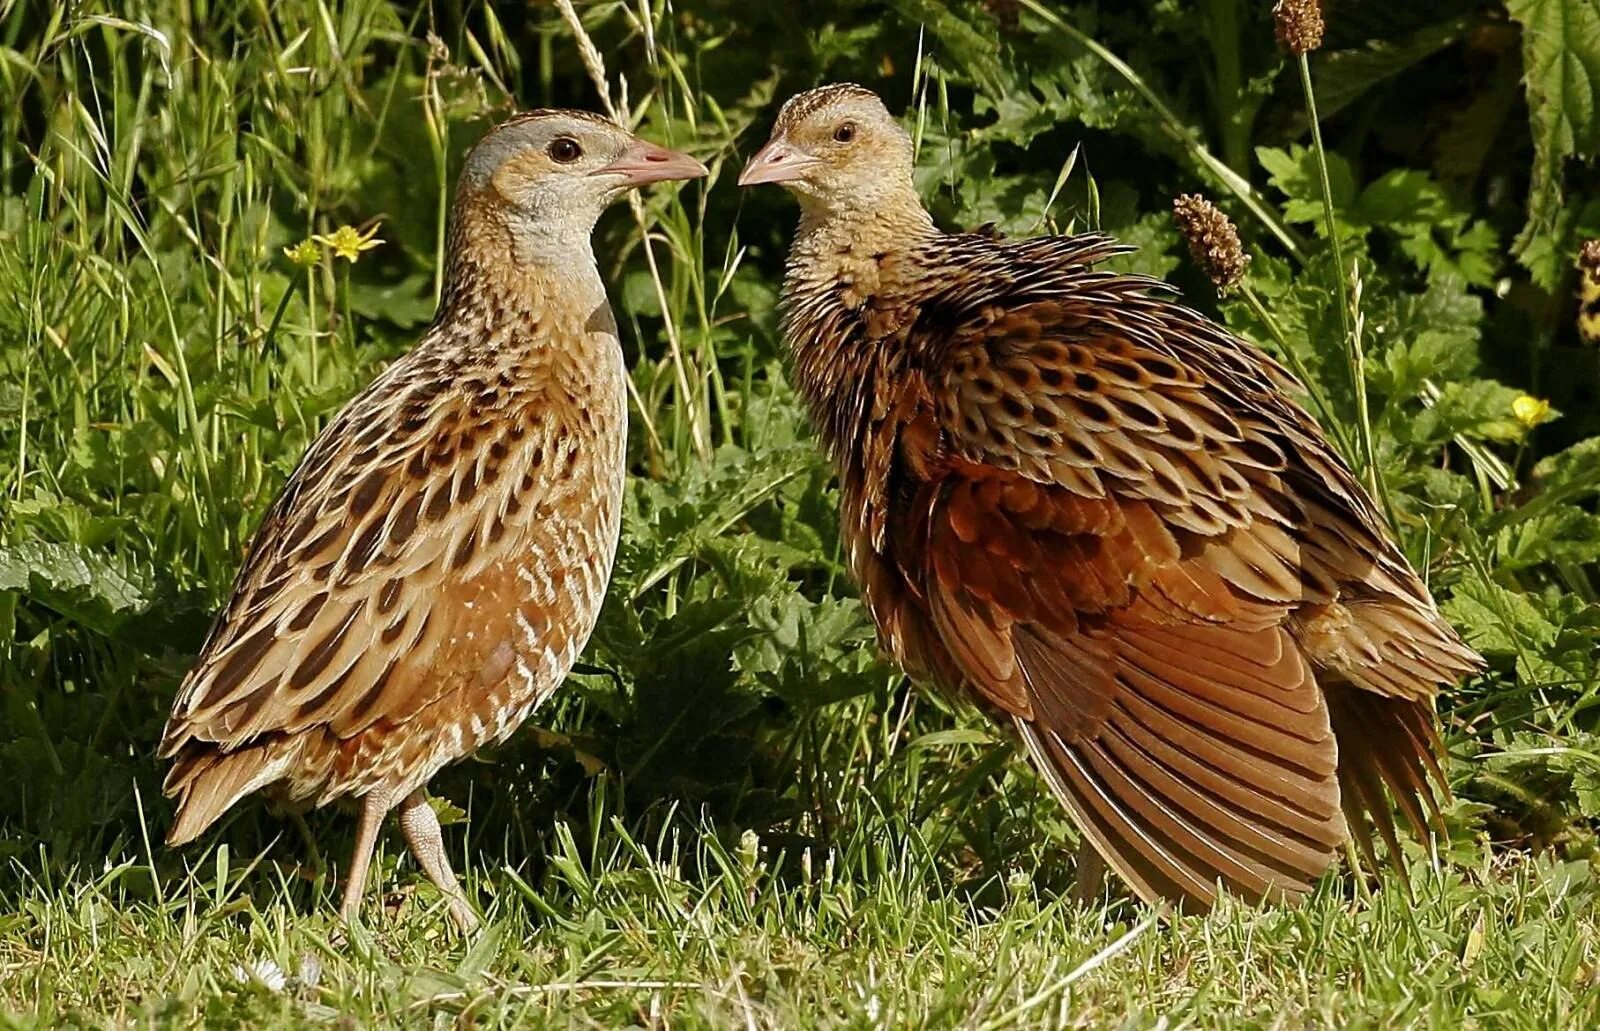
462, 916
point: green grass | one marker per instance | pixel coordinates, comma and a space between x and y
734, 814
685, 930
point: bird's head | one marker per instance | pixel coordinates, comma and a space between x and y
549, 174
838, 149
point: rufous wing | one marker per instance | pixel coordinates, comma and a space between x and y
1145, 551
1191, 751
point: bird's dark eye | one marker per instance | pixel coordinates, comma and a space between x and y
845, 133
565, 149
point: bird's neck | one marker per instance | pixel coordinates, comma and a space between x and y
827, 232
849, 275
851, 257
498, 271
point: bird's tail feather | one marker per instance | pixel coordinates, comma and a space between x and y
1389, 751
207, 783
1213, 761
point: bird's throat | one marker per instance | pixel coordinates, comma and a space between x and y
898, 222
494, 253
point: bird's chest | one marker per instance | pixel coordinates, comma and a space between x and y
889, 453
543, 576
542, 535
851, 332
574, 469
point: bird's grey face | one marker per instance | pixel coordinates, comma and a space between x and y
554, 172
835, 145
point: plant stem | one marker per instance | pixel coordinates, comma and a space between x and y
1233, 112
311, 316
1355, 358
1325, 413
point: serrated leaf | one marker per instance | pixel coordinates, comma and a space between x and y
972, 44
1154, 237
1586, 788
1427, 336
10, 400
1478, 409
73, 581
1294, 173
1561, 60
406, 304
1559, 478
1431, 230
1564, 533
1402, 195
1575, 470
1497, 621
673, 524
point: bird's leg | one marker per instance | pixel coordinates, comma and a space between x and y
374, 807
420, 825
1091, 875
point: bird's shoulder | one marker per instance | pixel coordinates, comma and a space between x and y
954, 273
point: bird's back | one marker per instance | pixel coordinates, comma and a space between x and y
1108, 518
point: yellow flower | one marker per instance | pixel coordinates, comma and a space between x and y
348, 242
304, 254
1531, 411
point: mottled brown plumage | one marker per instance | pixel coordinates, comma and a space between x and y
436, 562
1105, 517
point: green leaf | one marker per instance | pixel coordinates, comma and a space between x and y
1402, 195
1294, 172
1573, 471
1433, 335
73, 581
972, 44
1343, 76
1563, 534
1155, 239
1561, 59
811, 654
1559, 479
1479, 408
1431, 230
1497, 621
406, 304
948, 738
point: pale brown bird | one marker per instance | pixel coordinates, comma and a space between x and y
437, 561
1107, 518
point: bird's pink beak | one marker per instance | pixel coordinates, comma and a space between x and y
644, 162
778, 162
